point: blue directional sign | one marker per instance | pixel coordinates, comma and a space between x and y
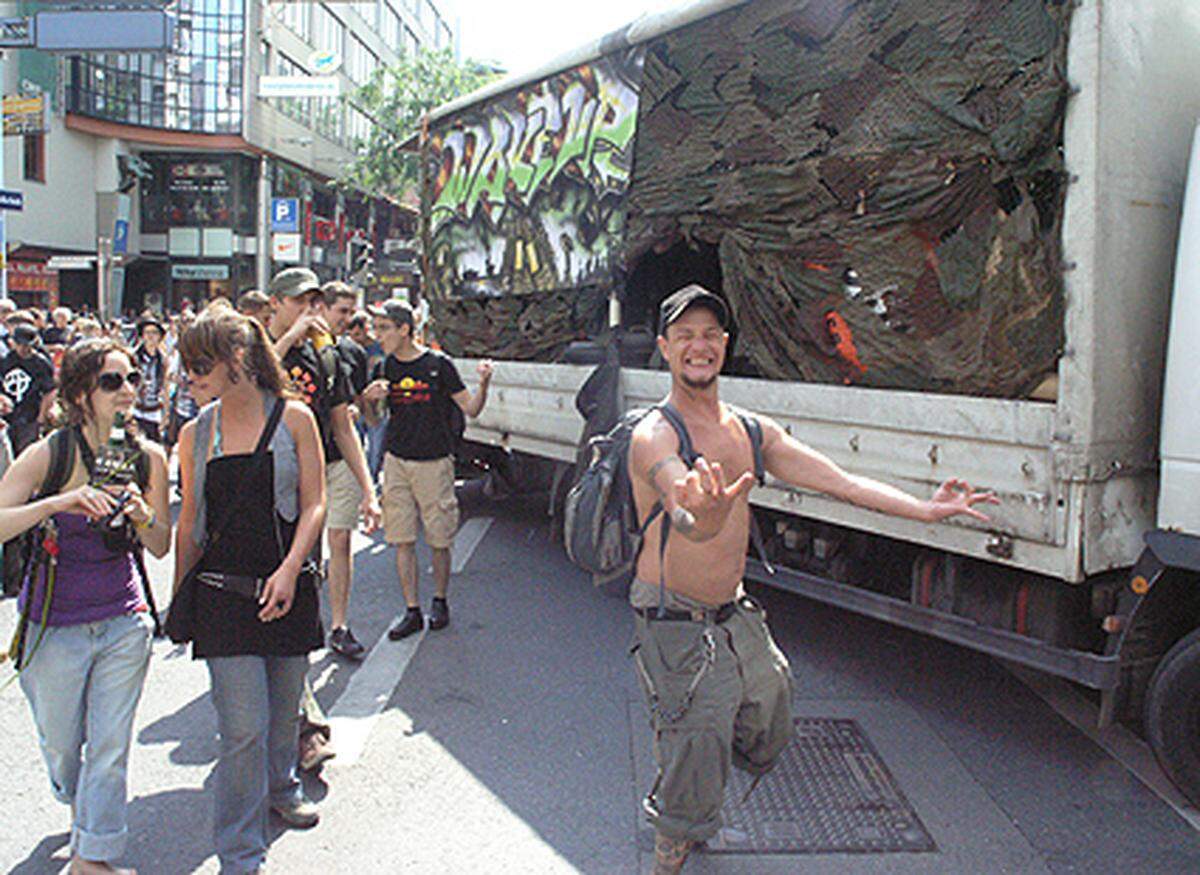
121, 236
11, 200
285, 214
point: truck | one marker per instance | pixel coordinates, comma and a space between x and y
948, 232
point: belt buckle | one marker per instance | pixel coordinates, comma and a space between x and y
216, 581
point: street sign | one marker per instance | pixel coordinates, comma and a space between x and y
285, 214
16, 33
70, 262
11, 200
285, 248
104, 30
24, 115
299, 86
121, 236
199, 271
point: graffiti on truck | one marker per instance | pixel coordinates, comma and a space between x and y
525, 192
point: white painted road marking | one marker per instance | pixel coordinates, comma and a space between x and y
1120, 743
467, 539
354, 713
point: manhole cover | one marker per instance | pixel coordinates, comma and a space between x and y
830, 793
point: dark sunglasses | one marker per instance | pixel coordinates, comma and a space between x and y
111, 381
199, 367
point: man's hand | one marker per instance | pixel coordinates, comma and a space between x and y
485, 369
703, 499
956, 497
371, 514
375, 391
301, 327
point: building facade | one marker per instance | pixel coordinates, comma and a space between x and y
161, 177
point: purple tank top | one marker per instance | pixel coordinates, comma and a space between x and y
91, 582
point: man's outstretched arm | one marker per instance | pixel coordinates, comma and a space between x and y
801, 466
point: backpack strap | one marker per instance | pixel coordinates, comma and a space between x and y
62, 444
688, 454
754, 431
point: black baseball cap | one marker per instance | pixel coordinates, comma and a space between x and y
24, 333
693, 295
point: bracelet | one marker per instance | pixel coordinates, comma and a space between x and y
148, 524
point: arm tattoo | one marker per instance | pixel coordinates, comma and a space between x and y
658, 466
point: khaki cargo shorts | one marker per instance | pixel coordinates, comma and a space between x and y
342, 496
719, 695
419, 488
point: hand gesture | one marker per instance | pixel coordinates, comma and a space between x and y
277, 594
485, 369
375, 391
371, 514
956, 497
87, 500
135, 508
704, 495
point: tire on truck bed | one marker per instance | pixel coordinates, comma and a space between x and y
1172, 717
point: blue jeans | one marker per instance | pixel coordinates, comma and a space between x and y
373, 439
83, 684
258, 715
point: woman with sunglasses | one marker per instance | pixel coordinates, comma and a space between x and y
87, 626
252, 474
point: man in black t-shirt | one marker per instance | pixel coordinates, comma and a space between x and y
27, 381
152, 362
305, 344
423, 391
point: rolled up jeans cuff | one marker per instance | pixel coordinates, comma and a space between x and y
102, 847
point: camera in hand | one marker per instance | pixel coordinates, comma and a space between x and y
116, 465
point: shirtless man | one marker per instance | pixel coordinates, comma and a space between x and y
719, 688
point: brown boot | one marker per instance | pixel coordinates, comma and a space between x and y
315, 749
670, 854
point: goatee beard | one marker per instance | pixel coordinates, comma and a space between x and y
698, 384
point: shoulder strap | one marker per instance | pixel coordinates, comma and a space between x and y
268, 432
754, 430
686, 451
62, 457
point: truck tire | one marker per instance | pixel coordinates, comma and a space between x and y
1172, 717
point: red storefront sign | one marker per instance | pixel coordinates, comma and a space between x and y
32, 276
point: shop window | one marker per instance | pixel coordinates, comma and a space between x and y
35, 157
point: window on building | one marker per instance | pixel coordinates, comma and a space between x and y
198, 88
329, 31
360, 61
297, 108
35, 157
392, 29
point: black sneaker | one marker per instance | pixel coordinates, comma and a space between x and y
342, 641
412, 623
439, 614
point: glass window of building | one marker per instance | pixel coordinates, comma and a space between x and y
196, 88
392, 30
297, 108
329, 31
358, 128
297, 17
368, 12
360, 61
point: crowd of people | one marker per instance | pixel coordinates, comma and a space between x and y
266, 403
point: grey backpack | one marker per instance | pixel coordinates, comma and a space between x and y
600, 529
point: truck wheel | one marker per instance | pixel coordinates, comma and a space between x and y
1173, 715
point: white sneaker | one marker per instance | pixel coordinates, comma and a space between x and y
303, 813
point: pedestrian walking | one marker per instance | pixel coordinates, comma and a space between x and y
360, 330
82, 670
27, 381
152, 362
426, 399
251, 466
718, 687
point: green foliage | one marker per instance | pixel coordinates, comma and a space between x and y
395, 99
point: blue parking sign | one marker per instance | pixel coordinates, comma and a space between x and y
285, 214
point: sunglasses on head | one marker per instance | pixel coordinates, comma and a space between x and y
111, 381
200, 367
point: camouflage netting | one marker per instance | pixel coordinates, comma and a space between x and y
883, 180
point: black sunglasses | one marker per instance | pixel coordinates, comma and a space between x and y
111, 381
199, 367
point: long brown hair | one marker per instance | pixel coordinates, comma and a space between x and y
80, 371
220, 331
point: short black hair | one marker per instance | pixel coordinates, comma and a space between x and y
398, 312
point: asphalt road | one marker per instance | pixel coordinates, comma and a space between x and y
516, 740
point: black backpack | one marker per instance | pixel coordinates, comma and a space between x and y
600, 527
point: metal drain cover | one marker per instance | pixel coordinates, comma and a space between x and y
830, 793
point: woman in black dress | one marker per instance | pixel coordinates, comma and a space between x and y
251, 469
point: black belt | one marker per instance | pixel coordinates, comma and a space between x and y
239, 584
716, 615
